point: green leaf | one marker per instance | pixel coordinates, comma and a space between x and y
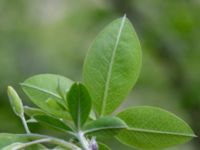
13, 146
30, 111
59, 148
112, 65
153, 128
79, 104
103, 146
105, 126
43, 91
7, 140
15, 102
53, 122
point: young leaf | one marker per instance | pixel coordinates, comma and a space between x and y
105, 126
30, 111
15, 102
79, 104
53, 122
153, 128
43, 91
103, 146
112, 65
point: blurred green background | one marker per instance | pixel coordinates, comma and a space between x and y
52, 36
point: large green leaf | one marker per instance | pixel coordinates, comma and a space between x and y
79, 103
105, 126
112, 65
44, 90
153, 128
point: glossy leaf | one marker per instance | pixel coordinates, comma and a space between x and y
15, 102
79, 103
43, 91
153, 128
112, 65
105, 126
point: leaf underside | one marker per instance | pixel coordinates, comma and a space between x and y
106, 126
112, 66
43, 91
153, 128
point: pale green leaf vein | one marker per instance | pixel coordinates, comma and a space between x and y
105, 94
103, 128
42, 90
161, 132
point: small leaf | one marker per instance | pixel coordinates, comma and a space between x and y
105, 126
30, 111
79, 104
103, 146
43, 89
112, 66
53, 122
153, 128
15, 102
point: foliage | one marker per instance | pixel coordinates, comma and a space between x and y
84, 111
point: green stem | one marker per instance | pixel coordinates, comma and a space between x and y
83, 141
32, 143
56, 141
25, 124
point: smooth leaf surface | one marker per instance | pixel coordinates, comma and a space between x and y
79, 103
43, 91
152, 128
105, 126
31, 111
15, 102
112, 65
103, 146
53, 122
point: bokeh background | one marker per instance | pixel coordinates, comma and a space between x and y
53, 36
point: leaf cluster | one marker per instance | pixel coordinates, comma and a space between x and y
84, 111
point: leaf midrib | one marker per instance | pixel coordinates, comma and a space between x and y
105, 94
103, 128
42, 90
161, 132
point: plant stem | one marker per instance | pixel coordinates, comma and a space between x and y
25, 124
83, 141
32, 143
55, 141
